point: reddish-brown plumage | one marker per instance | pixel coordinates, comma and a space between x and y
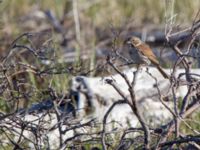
145, 50
146, 53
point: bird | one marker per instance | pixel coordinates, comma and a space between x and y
141, 53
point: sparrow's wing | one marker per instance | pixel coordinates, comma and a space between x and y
146, 50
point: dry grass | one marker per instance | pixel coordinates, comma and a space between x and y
95, 13
101, 12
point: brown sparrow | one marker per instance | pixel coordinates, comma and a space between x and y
141, 53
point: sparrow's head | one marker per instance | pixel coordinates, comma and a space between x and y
134, 41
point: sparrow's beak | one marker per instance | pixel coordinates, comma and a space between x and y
128, 42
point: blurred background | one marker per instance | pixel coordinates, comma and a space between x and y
63, 38
45, 44
86, 29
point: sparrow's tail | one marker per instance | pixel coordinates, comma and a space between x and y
165, 75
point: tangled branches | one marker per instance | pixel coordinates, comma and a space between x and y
35, 114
